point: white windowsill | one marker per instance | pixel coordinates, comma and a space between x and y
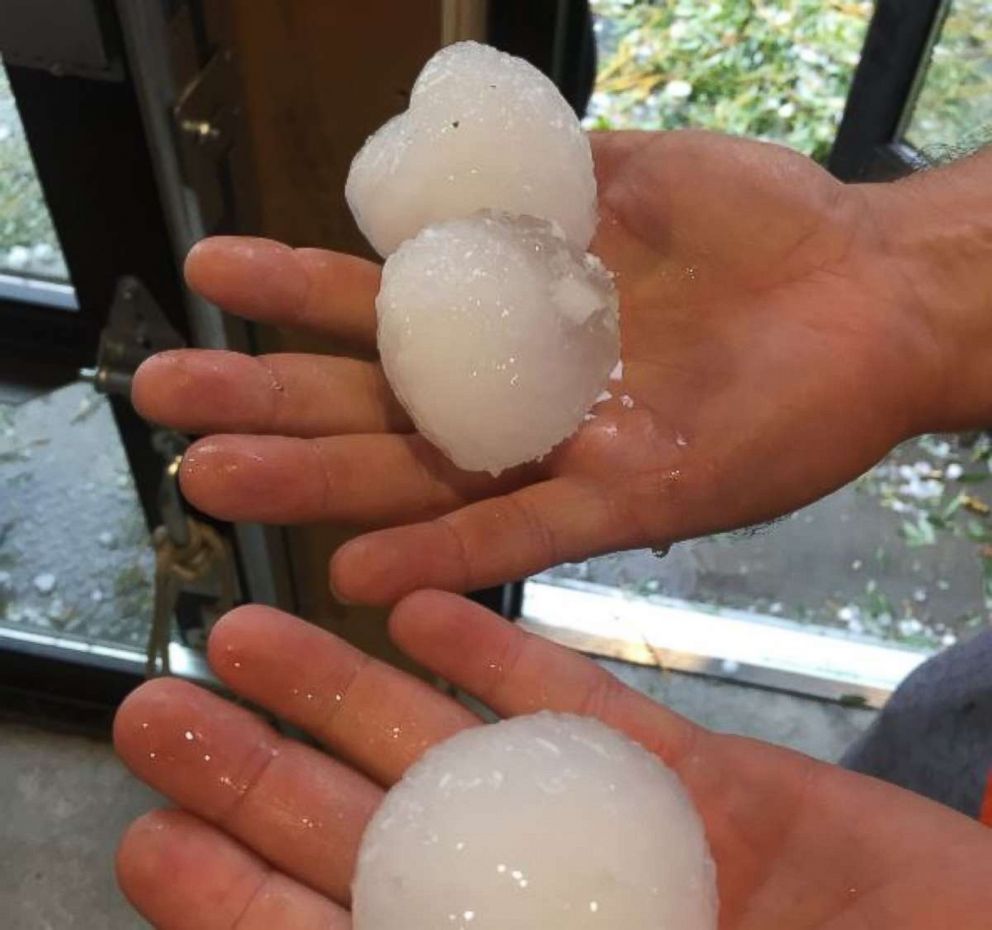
748, 648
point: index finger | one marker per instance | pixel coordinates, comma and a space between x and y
268, 282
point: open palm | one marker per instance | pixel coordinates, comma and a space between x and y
768, 351
270, 827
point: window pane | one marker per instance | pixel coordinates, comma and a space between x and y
28, 244
778, 70
954, 106
75, 557
858, 588
900, 558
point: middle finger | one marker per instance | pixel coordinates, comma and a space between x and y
294, 806
364, 480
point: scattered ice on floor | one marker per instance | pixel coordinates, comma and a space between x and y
497, 336
484, 130
546, 821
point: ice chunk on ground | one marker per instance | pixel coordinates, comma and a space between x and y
44, 582
484, 130
497, 336
549, 821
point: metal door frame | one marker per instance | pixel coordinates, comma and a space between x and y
107, 162
869, 144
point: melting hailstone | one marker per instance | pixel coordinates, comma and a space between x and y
484, 130
548, 821
497, 336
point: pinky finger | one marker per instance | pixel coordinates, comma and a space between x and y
182, 874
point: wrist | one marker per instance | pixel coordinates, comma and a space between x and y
934, 233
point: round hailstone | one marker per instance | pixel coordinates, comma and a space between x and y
484, 130
497, 336
549, 821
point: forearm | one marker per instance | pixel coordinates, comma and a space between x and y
936, 230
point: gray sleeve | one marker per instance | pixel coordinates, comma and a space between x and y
934, 736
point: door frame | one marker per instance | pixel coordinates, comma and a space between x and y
122, 174
869, 144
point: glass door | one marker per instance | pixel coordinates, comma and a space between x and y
116, 143
845, 597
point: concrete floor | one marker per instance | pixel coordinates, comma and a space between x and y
64, 800
77, 563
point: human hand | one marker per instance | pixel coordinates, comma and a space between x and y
771, 352
269, 828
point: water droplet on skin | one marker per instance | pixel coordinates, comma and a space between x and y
309, 695
237, 665
152, 755
338, 697
206, 758
396, 732
681, 441
144, 726
627, 401
189, 735
296, 692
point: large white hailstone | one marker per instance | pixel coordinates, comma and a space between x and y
547, 822
484, 130
497, 336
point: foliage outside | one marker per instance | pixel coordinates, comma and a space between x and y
28, 242
778, 70
775, 70
953, 111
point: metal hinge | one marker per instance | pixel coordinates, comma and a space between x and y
206, 117
136, 329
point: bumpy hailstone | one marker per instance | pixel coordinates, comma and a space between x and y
484, 130
497, 336
548, 822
